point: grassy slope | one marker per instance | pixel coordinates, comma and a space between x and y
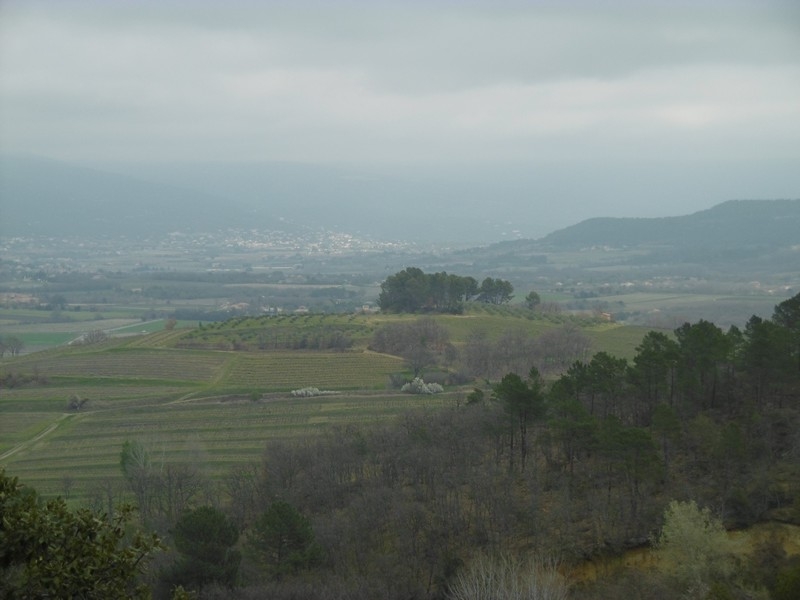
198, 405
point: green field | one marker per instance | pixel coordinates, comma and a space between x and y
217, 431
40, 330
225, 405
217, 407
673, 309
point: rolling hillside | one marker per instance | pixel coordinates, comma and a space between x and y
756, 239
735, 223
65, 412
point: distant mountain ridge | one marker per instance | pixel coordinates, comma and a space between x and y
45, 197
737, 238
734, 223
41, 196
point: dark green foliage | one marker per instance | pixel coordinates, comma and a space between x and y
476, 396
524, 403
631, 460
787, 586
571, 428
766, 357
48, 551
704, 349
495, 291
787, 315
666, 428
411, 291
282, 539
602, 385
605, 378
653, 370
205, 537
532, 300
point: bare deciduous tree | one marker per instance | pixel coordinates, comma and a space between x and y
510, 578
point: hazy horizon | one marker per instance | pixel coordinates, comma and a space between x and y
524, 116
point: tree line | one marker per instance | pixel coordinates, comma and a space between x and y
411, 291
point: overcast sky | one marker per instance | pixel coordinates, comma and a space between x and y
404, 82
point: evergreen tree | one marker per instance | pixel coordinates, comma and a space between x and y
283, 540
205, 538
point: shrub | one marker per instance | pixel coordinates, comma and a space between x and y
310, 392
50, 551
694, 546
94, 337
418, 386
509, 578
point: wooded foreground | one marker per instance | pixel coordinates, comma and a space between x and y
697, 432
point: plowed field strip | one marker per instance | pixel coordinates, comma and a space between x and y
135, 362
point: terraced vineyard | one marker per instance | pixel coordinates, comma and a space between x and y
215, 432
159, 339
191, 404
217, 408
284, 332
292, 370
129, 363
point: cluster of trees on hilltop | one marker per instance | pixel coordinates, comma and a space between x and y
411, 290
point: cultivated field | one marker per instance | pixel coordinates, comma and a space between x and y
215, 408
212, 432
671, 310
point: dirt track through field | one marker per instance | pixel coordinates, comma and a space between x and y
27, 443
53, 426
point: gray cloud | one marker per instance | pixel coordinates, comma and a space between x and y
362, 82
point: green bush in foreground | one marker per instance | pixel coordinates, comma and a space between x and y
48, 551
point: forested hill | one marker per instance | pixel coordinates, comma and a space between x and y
735, 223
